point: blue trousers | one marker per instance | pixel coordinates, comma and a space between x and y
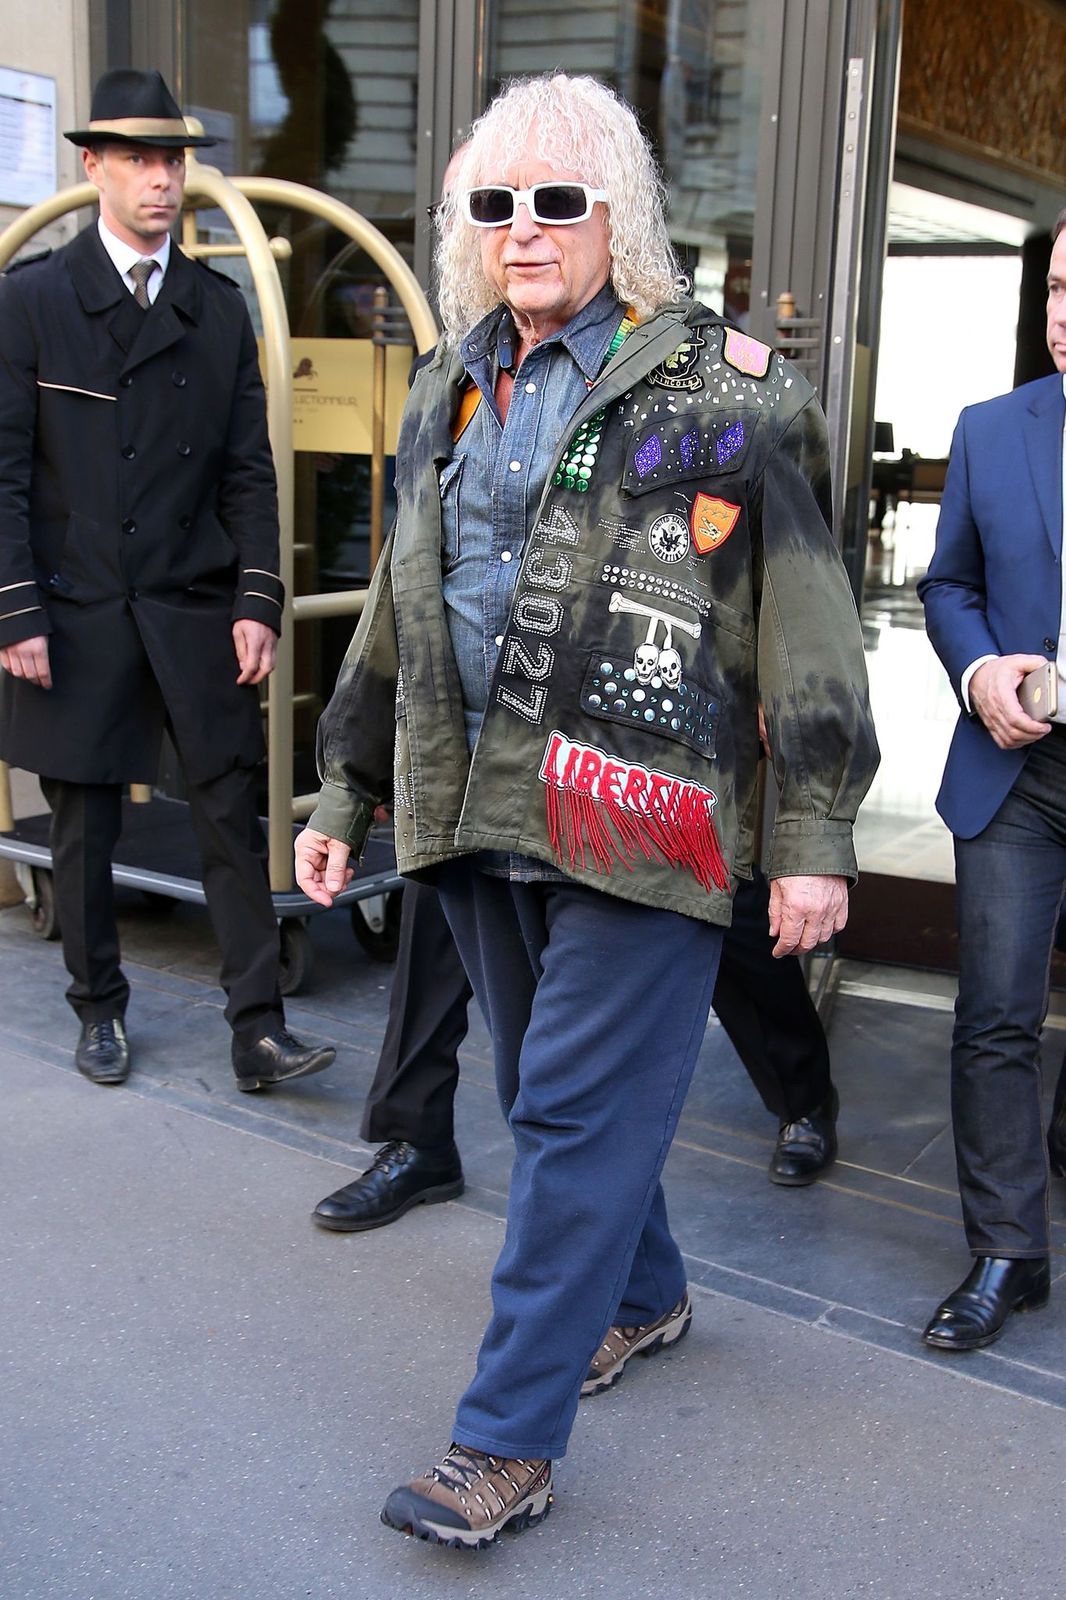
1010, 882
597, 1010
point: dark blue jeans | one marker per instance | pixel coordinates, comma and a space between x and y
597, 1010
1010, 888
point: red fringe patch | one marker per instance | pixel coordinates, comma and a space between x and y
684, 836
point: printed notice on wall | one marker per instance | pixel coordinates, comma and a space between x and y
27, 137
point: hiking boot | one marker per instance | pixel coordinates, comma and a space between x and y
620, 1344
466, 1501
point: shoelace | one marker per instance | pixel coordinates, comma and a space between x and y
460, 1470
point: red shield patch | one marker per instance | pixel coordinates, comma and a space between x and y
713, 520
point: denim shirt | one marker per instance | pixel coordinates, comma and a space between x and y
491, 488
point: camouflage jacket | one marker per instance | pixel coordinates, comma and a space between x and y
679, 571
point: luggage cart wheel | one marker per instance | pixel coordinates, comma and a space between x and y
42, 903
376, 924
295, 954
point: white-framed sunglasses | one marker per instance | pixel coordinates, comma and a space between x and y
495, 205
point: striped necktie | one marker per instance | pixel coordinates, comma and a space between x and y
140, 272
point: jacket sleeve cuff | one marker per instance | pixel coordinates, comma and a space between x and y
22, 616
340, 814
260, 598
813, 849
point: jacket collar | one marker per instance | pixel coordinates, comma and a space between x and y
139, 335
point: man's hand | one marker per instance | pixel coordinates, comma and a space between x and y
805, 912
994, 696
257, 650
28, 659
322, 869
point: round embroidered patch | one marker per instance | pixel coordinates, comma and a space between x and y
669, 538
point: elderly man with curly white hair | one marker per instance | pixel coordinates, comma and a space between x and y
612, 543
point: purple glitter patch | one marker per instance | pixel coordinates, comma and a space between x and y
730, 442
689, 447
648, 457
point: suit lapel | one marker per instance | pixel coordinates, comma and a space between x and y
1042, 432
138, 334
177, 304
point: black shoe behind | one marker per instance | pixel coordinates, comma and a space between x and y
276, 1058
103, 1052
400, 1176
973, 1316
807, 1146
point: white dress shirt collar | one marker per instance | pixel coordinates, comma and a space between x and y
124, 256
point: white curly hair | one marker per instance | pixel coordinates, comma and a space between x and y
577, 125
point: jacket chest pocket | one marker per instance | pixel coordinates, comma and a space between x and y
450, 529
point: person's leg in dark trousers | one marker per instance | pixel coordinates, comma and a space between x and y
773, 1024
1009, 891
233, 862
764, 1006
86, 823
409, 1109
1056, 1138
597, 1010
413, 1091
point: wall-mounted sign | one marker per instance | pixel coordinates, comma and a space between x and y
331, 393
27, 137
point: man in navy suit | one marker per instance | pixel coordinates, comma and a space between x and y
993, 603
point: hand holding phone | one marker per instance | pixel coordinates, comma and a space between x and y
1038, 693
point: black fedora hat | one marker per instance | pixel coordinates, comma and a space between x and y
133, 107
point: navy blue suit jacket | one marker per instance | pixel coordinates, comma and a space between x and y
994, 586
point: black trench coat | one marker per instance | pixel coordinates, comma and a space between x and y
138, 517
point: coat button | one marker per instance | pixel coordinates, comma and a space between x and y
1051, 644
129, 526
184, 522
184, 449
128, 452
178, 379
133, 594
126, 381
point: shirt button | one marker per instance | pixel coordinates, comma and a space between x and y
499, 639
515, 466
184, 449
178, 379
126, 381
128, 452
531, 388
129, 526
505, 555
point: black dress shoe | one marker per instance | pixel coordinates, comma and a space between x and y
400, 1176
997, 1285
103, 1053
277, 1057
806, 1147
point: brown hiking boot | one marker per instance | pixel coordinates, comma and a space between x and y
620, 1344
466, 1501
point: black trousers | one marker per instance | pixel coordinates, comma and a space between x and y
86, 822
762, 1004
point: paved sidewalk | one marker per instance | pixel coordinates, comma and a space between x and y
204, 1396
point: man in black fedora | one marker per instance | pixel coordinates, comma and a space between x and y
139, 587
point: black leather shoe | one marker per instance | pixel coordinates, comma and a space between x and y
806, 1147
400, 1176
997, 1285
277, 1057
103, 1053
